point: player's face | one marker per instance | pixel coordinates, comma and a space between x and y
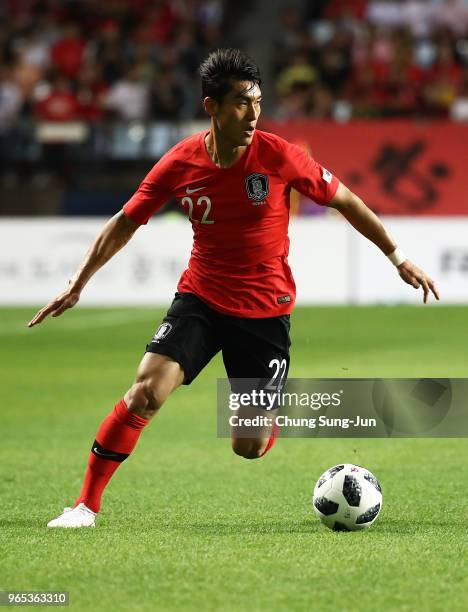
238, 113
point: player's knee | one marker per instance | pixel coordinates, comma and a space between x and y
249, 448
145, 398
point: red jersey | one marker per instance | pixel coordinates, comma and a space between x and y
239, 261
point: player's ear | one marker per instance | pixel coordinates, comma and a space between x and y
210, 105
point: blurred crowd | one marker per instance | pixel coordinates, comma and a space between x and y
347, 59
63, 60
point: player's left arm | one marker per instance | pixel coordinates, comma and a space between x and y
369, 225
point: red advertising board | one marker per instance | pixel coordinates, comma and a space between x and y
396, 167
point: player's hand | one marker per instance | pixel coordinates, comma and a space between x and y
56, 307
414, 276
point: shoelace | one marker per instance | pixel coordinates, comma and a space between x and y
79, 508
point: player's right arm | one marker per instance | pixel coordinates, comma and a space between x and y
114, 235
153, 192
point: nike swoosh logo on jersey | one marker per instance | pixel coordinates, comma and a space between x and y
188, 190
105, 455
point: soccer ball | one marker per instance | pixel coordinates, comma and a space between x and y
347, 497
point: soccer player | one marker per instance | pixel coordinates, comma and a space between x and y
237, 293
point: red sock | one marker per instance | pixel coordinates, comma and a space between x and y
115, 440
272, 440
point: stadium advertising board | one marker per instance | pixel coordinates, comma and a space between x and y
437, 244
331, 262
397, 167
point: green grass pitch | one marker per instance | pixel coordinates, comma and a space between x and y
186, 524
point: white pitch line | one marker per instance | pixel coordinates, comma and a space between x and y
90, 321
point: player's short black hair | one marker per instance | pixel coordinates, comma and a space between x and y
222, 67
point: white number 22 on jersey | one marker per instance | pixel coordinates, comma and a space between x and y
201, 200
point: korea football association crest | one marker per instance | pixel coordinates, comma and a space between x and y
257, 187
163, 331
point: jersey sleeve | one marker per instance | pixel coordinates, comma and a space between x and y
154, 191
306, 175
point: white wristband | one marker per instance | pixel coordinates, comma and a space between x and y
397, 257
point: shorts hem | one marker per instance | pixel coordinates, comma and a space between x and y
173, 354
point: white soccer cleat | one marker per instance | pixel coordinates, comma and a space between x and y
81, 516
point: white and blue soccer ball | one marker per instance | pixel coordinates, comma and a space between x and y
347, 497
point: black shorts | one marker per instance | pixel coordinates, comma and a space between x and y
192, 333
